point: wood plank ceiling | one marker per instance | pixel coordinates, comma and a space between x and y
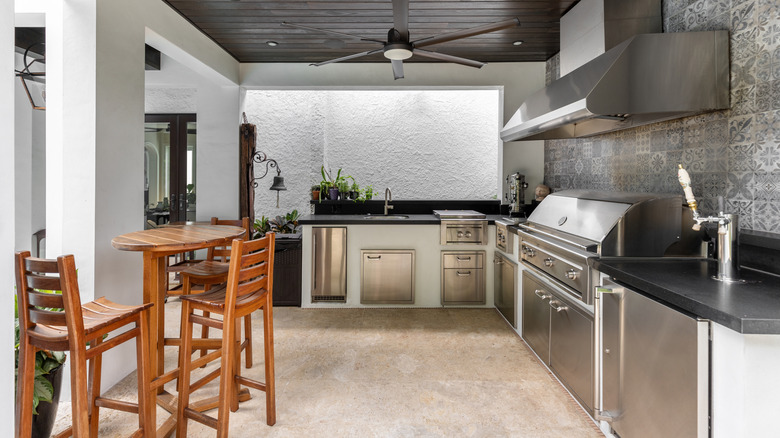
244, 27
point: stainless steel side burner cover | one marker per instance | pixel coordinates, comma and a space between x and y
459, 214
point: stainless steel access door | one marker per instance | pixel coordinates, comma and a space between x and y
504, 287
655, 366
329, 276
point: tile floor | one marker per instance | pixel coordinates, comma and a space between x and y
390, 373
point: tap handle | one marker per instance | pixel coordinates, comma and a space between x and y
685, 182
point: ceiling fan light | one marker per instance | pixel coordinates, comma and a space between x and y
398, 54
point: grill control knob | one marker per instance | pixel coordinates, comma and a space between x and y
531, 252
571, 274
460, 233
548, 261
468, 233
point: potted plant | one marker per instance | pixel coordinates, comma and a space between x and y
281, 225
368, 192
315, 192
344, 190
354, 190
333, 184
48, 380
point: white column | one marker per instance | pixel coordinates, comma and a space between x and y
7, 230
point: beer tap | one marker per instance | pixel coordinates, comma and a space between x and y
728, 231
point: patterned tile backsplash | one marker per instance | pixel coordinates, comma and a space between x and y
733, 153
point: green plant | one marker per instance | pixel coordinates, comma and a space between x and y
287, 224
190, 194
45, 362
261, 226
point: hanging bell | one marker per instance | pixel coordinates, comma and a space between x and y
278, 184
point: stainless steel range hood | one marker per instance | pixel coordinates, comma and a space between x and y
648, 78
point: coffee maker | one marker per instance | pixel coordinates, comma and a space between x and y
516, 195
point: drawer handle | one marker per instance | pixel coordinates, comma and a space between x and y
374, 257
557, 307
548, 261
540, 293
461, 274
498, 261
463, 259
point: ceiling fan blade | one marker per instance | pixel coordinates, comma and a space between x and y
401, 17
449, 58
398, 69
332, 32
348, 57
465, 33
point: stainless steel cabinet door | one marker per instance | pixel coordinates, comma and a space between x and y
571, 349
387, 277
329, 279
536, 316
655, 368
504, 286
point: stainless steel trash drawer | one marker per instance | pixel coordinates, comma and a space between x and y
387, 276
462, 277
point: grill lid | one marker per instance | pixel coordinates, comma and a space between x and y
621, 223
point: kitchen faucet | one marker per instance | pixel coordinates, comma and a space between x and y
728, 231
388, 199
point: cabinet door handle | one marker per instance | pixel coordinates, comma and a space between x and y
540, 293
373, 257
461, 274
555, 305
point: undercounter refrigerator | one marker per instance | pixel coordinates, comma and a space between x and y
329, 279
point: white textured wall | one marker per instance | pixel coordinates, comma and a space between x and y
518, 80
422, 144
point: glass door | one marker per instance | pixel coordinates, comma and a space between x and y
169, 168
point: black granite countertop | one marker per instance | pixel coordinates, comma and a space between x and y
360, 219
749, 308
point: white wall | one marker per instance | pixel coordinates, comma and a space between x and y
421, 143
176, 88
7, 230
519, 81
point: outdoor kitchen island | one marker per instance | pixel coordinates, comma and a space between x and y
340, 248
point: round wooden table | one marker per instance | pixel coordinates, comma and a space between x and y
157, 244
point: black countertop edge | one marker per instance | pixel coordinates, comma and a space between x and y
761, 239
359, 219
748, 308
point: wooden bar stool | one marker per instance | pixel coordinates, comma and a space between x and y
249, 288
214, 271
79, 329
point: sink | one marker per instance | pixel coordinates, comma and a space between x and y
388, 217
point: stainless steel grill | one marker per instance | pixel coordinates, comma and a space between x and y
571, 226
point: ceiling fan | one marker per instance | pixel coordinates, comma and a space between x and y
398, 47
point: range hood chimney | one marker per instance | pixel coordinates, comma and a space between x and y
646, 78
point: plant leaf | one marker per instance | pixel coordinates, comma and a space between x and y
43, 389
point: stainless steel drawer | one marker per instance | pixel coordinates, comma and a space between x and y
464, 286
387, 277
462, 260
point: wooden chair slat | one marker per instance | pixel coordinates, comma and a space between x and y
34, 264
254, 258
253, 272
44, 283
38, 316
40, 299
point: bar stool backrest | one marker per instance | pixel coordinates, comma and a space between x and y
37, 283
222, 253
251, 268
